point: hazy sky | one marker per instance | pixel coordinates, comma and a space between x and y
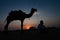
48, 11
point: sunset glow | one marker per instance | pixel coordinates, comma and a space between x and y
27, 26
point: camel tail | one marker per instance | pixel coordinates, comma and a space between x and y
5, 20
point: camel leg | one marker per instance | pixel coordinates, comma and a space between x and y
21, 25
6, 26
22, 32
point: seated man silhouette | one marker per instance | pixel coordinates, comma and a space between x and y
41, 27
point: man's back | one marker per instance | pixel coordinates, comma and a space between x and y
41, 27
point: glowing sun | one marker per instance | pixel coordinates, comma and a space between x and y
27, 26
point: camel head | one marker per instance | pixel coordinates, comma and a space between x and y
33, 10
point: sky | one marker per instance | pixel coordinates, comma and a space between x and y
47, 10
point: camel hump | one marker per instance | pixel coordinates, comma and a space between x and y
15, 12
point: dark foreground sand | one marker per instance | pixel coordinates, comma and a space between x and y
30, 35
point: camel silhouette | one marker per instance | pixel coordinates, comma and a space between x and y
18, 15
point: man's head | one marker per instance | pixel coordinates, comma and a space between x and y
41, 22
